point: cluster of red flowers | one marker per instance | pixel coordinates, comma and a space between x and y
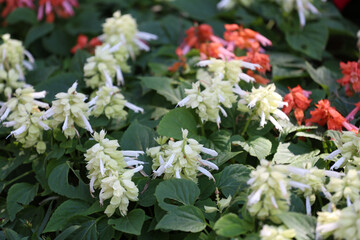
202, 37
61, 8
84, 43
350, 81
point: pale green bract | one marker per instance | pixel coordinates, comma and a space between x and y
277, 233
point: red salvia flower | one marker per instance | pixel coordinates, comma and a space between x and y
62, 8
298, 100
352, 114
325, 114
258, 58
244, 38
11, 5
82, 43
215, 50
350, 81
258, 78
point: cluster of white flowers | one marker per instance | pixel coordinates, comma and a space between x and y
180, 159
277, 233
13, 64
303, 7
121, 40
219, 85
265, 103
107, 171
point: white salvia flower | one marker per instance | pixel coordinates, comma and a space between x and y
277, 232
348, 223
327, 222
107, 171
70, 109
180, 159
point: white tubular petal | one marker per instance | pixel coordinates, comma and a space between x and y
251, 66
146, 36
333, 174
252, 103
203, 63
338, 163
251, 181
141, 44
159, 171
206, 173
263, 120
254, 197
75, 84
18, 131
183, 101
20, 71
137, 169
87, 124
209, 151
6, 113
43, 125
221, 98
105, 47
101, 37
134, 162
41, 104
220, 75
37, 95
131, 52
333, 154
308, 206
239, 91
119, 76
47, 114
102, 168
281, 115
109, 82
276, 124
92, 181
326, 192
312, 8
28, 65
93, 101
209, 164
325, 228
134, 107
282, 104
273, 201
283, 189
116, 47
170, 161
161, 160
65, 125
298, 171
218, 121
222, 111
132, 153
299, 185
177, 174
301, 13
246, 77
4, 54
223, 4
29, 56
9, 124
348, 201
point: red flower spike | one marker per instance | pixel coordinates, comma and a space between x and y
325, 114
82, 43
258, 58
258, 78
62, 8
11, 5
298, 100
195, 36
350, 81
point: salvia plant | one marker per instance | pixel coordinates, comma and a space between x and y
179, 120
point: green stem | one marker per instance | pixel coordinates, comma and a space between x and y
18, 177
320, 200
247, 124
202, 128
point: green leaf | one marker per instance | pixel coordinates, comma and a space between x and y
40, 75
37, 32
59, 183
256, 146
12, 235
311, 40
59, 43
22, 15
19, 194
196, 8
138, 137
309, 135
175, 120
131, 223
147, 192
59, 83
230, 225
67, 232
184, 218
335, 136
295, 154
85, 22
323, 76
220, 141
164, 87
178, 191
64, 212
232, 179
223, 157
9, 165
87, 231
303, 225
